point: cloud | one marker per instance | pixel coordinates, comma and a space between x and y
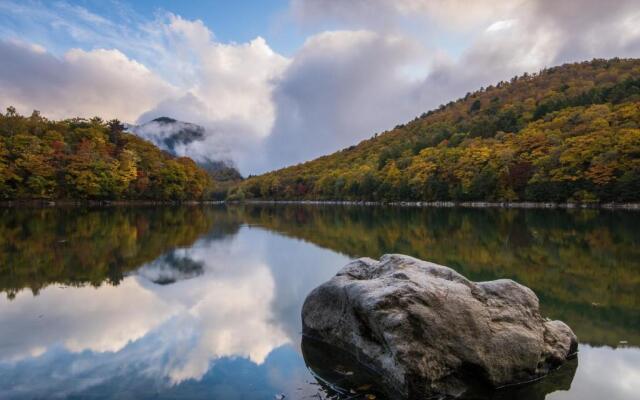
456, 14
500, 25
227, 88
99, 82
341, 87
231, 81
590, 28
583, 29
539, 34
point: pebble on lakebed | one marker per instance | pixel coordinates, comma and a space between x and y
426, 329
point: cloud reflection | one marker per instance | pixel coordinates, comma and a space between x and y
79, 319
226, 326
244, 304
604, 373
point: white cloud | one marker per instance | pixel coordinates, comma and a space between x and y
501, 25
233, 82
227, 88
340, 88
81, 83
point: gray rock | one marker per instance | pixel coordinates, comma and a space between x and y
428, 330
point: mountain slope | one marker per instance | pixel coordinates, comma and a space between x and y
167, 133
175, 136
568, 133
89, 159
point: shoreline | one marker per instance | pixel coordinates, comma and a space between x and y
452, 204
101, 203
413, 204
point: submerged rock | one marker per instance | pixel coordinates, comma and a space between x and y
425, 329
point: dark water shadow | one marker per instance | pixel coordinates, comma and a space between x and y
341, 376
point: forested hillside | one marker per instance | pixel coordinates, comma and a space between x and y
568, 133
89, 159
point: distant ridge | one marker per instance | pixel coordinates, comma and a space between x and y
164, 120
171, 134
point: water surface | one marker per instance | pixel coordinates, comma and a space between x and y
204, 301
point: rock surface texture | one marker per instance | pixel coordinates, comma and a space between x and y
428, 330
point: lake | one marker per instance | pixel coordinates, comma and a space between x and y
204, 301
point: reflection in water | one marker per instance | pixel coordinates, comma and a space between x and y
170, 268
73, 246
204, 302
342, 376
583, 264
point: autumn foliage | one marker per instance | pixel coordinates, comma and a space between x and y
89, 159
569, 133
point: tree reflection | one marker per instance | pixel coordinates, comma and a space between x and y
76, 246
583, 264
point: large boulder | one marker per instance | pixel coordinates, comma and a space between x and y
428, 330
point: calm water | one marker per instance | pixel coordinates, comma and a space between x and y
204, 302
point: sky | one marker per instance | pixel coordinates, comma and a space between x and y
280, 82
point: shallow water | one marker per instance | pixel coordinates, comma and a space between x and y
204, 302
